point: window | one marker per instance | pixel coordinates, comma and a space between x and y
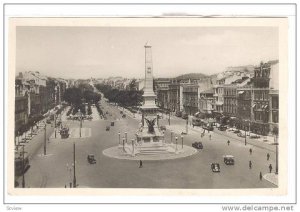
275, 116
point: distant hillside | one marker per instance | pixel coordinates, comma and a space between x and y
191, 76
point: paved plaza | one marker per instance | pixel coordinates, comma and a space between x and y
193, 171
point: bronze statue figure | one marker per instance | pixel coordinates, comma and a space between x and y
150, 124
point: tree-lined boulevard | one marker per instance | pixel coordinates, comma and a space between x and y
55, 169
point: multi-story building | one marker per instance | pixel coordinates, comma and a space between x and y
190, 98
21, 106
206, 101
174, 96
225, 78
230, 96
161, 88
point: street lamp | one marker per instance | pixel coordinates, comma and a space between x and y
123, 144
80, 118
171, 136
119, 138
74, 167
126, 137
176, 142
45, 138
276, 167
169, 117
182, 141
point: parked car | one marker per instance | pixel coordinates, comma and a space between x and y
228, 159
215, 167
112, 123
196, 121
222, 128
209, 128
197, 145
64, 132
91, 159
254, 136
124, 116
236, 131
163, 128
184, 116
178, 114
241, 135
107, 128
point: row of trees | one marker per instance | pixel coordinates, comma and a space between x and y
80, 94
125, 98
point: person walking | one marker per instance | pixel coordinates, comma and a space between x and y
250, 151
228, 142
260, 176
209, 136
250, 164
268, 156
270, 168
141, 164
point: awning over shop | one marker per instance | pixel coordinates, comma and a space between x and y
241, 92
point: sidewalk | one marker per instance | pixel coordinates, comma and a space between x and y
272, 178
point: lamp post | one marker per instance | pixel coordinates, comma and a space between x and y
45, 138
169, 117
23, 167
80, 118
55, 126
119, 138
245, 136
187, 127
126, 137
176, 142
74, 167
123, 144
132, 141
171, 136
182, 141
276, 167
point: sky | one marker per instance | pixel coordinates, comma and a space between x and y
101, 52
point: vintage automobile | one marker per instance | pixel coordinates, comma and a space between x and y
241, 135
236, 131
91, 159
215, 167
178, 114
208, 128
124, 116
184, 116
64, 132
222, 128
112, 123
197, 145
196, 121
107, 128
163, 128
254, 136
228, 159
48, 121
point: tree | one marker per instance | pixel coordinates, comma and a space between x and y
73, 96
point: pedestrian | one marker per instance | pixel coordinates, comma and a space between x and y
268, 156
250, 164
250, 151
260, 175
228, 142
141, 164
209, 136
270, 168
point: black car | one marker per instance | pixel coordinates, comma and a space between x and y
208, 128
91, 159
222, 128
236, 131
215, 167
197, 145
163, 128
107, 128
178, 113
185, 116
228, 159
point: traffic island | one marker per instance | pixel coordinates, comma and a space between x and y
120, 153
